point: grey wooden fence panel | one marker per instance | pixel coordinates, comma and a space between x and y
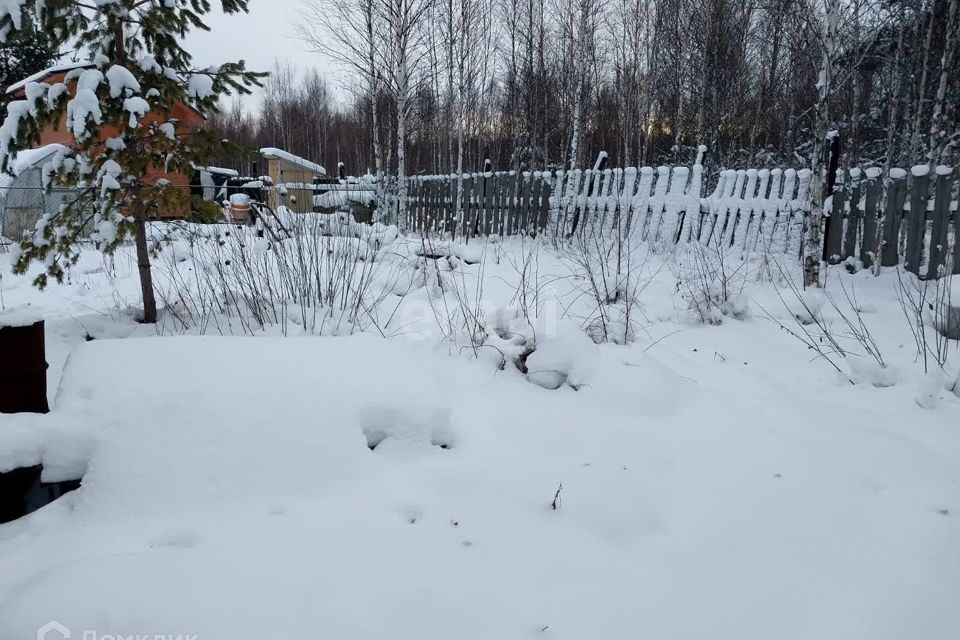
423, 211
500, 184
755, 228
771, 211
488, 193
525, 186
544, 210
896, 195
834, 236
956, 241
507, 189
534, 185
869, 241
509, 200
741, 221
834, 224
916, 223
852, 227
455, 221
780, 239
941, 220
748, 210
430, 188
730, 209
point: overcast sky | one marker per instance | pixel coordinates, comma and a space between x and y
259, 37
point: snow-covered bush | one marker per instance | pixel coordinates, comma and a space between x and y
932, 316
710, 287
610, 270
297, 276
843, 341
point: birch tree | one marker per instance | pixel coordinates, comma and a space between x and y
403, 42
812, 250
351, 33
938, 120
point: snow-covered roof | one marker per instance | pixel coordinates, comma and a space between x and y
40, 75
273, 152
220, 171
27, 158
24, 160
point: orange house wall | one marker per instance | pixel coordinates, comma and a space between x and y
187, 118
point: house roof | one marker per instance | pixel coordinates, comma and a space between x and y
69, 66
40, 75
273, 152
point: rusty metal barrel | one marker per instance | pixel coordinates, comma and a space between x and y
23, 364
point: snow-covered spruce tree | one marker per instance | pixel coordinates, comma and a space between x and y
120, 114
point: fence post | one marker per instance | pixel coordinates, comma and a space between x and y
941, 219
896, 194
868, 241
833, 235
917, 218
853, 219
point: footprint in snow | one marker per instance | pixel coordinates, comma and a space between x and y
174, 539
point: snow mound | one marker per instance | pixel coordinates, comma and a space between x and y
207, 438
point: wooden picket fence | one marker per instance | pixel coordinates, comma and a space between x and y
903, 217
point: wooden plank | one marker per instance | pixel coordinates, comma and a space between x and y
799, 213
941, 220
834, 232
956, 241
523, 212
425, 192
469, 198
779, 237
712, 207
413, 194
730, 209
852, 220
449, 193
869, 241
759, 221
745, 212
771, 214
510, 202
544, 214
916, 223
500, 197
834, 237
896, 195
488, 190
432, 214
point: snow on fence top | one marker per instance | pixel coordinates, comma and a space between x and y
747, 208
273, 152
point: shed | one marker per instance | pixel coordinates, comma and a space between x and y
293, 175
23, 198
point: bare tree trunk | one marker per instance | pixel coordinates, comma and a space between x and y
143, 261
894, 112
938, 119
918, 115
812, 250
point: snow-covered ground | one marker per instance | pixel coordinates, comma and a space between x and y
396, 476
